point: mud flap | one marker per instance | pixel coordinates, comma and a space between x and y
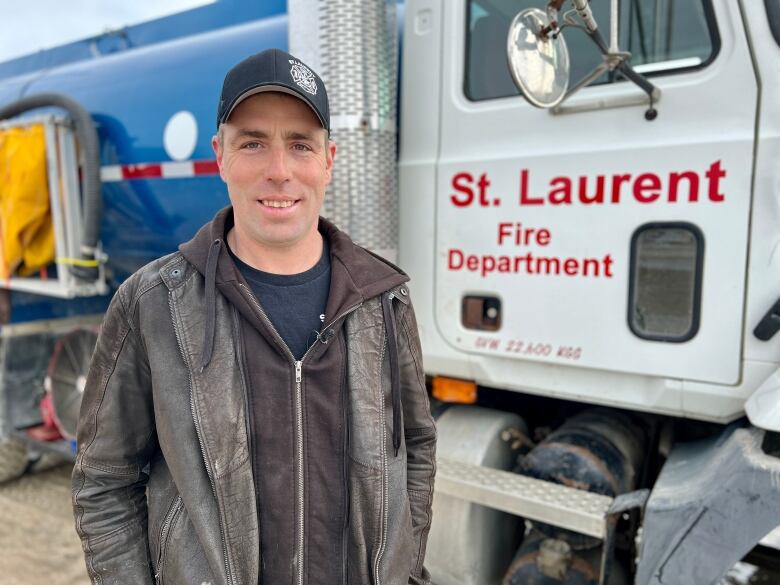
714, 500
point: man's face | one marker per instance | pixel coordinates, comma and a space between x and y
276, 160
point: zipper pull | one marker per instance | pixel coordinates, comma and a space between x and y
298, 372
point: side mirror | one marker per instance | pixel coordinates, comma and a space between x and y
539, 60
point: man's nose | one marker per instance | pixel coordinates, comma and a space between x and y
278, 169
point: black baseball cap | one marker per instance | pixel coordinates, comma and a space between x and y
273, 70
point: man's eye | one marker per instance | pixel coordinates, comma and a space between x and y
302, 147
251, 145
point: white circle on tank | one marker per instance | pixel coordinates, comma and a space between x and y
180, 135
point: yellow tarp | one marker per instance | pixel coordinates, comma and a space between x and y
26, 229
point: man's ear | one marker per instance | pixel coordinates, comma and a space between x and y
330, 156
217, 148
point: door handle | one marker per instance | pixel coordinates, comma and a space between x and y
769, 324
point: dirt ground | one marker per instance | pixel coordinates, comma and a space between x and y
38, 544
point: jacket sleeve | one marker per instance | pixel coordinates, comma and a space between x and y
115, 441
420, 433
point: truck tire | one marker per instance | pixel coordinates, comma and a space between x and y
13, 459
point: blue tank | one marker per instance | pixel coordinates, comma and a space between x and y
132, 83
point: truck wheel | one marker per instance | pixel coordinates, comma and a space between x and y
67, 376
13, 459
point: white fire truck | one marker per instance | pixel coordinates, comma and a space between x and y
605, 269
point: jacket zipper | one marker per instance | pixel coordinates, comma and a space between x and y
298, 366
345, 475
385, 478
199, 433
299, 449
176, 506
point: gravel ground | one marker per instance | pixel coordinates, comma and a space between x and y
38, 544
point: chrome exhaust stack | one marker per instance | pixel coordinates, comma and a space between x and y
353, 46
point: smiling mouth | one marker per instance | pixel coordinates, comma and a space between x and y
277, 204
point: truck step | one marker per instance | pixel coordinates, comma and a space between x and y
534, 499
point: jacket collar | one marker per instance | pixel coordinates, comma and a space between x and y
356, 273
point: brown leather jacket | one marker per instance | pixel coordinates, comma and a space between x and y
163, 486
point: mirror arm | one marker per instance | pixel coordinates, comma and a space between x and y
622, 66
600, 42
583, 9
613, 27
653, 93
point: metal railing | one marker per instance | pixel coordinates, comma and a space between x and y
65, 202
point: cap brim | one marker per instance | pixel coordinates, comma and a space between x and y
273, 87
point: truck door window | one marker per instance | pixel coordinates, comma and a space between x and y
662, 35
665, 281
773, 14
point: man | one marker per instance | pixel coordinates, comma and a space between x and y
256, 411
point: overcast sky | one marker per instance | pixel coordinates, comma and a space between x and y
26, 26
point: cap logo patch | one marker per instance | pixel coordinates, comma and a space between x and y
303, 76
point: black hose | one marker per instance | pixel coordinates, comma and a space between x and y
88, 141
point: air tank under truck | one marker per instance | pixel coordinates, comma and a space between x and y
583, 193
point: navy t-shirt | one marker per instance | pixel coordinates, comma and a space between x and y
295, 303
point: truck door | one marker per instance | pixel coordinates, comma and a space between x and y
594, 237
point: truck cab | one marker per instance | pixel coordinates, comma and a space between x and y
613, 250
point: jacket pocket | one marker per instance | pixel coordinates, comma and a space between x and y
397, 547
181, 556
167, 527
365, 510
